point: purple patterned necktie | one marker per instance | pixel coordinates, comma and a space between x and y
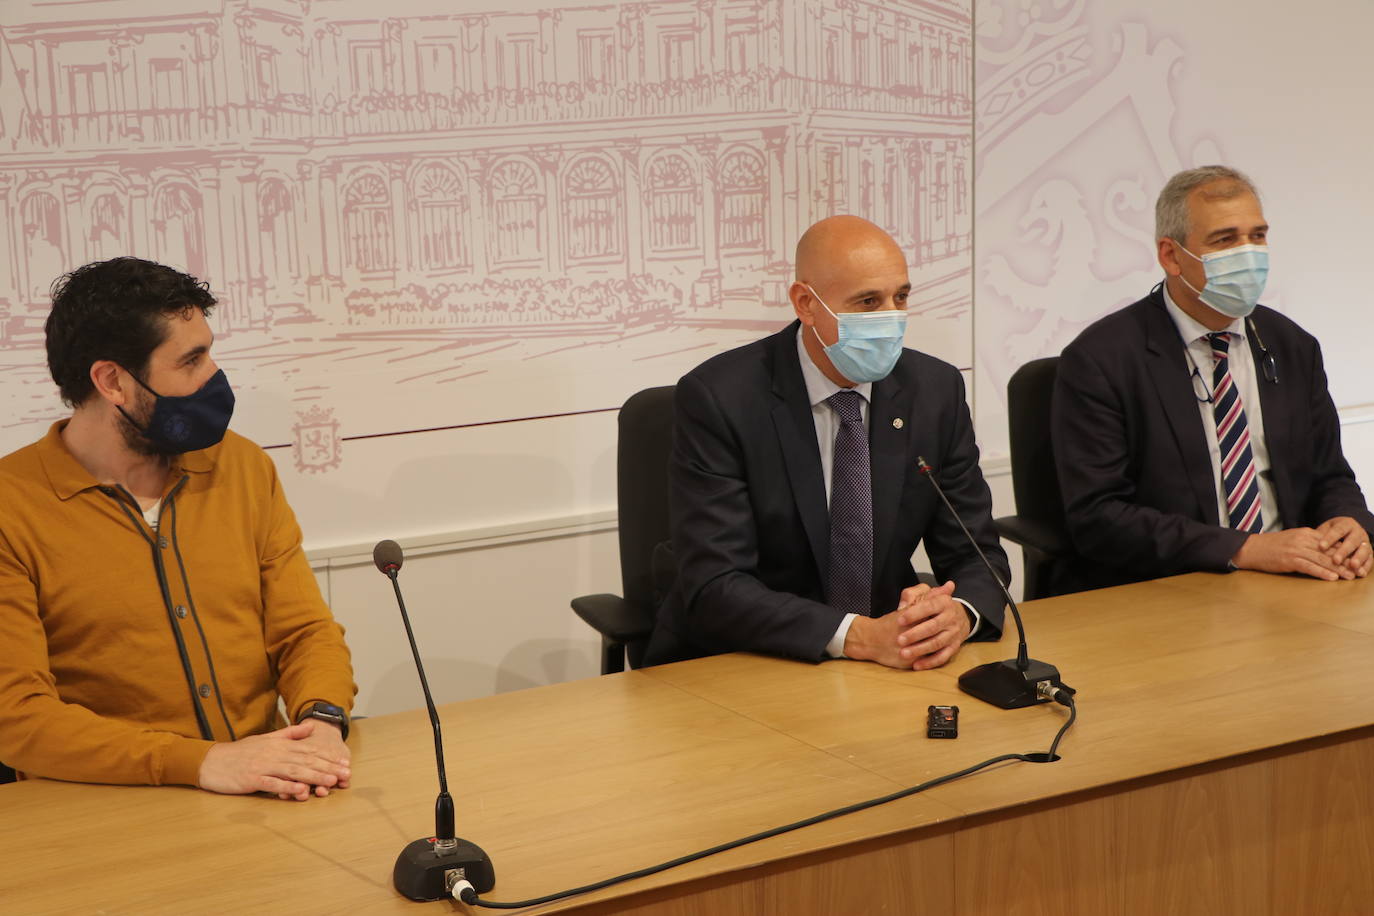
1238, 475
850, 578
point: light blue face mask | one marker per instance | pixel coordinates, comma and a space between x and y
868, 345
1235, 278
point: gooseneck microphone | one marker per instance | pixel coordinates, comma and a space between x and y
436, 867
1011, 684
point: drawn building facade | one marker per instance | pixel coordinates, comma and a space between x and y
578, 162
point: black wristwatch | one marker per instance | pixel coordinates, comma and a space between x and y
329, 713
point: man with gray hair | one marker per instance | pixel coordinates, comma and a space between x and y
1193, 429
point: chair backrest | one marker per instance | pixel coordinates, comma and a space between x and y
643, 447
1034, 480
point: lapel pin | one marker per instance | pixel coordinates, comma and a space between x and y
897, 423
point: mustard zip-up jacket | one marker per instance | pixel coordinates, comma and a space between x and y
126, 650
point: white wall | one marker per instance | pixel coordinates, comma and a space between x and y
1085, 109
490, 614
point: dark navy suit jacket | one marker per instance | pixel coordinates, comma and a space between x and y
1139, 493
750, 524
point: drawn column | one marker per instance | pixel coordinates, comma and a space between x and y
474, 42
402, 250
713, 22
915, 218
331, 240
479, 213
219, 262
548, 44
634, 205
124, 85
807, 191
254, 280
310, 234
782, 212
9, 255
72, 222
853, 175
548, 158
139, 217
706, 289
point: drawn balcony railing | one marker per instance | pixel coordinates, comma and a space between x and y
393, 113
382, 113
164, 127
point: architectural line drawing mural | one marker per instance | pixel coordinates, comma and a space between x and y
440, 217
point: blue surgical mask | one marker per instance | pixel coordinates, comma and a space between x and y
1235, 278
868, 345
191, 422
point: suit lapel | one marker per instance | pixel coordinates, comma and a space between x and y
1172, 377
1275, 415
796, 432
888, 459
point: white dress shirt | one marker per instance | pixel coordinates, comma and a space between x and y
818, 388
1198, 349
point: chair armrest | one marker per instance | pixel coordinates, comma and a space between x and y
614, 617
1033, 534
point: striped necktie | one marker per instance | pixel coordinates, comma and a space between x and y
1238, 476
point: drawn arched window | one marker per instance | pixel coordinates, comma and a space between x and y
518, 214
592, 203
44, 259
107, 227
440, 204
367, 224
278, 235
177, 230
671, 192
743, 185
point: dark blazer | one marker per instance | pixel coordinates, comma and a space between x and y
751, 531
1139, 495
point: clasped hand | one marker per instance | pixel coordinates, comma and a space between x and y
925, 630
1338, 548
289, 762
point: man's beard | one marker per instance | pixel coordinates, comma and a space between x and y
142, 412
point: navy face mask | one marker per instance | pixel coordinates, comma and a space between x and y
189, 423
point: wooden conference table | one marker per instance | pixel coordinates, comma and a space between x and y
1223, 762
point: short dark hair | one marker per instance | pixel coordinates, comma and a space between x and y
114, 310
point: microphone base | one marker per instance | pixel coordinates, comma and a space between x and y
1006, 686
426, 869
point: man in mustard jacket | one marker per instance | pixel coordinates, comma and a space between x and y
155, 602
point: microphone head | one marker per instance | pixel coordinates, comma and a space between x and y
922, 466
388, 556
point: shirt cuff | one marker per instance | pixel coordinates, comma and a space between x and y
835, 648
977, 618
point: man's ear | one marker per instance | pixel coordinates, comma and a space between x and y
1168, 256
109, 382
803, 302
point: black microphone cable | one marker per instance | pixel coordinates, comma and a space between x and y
469, 896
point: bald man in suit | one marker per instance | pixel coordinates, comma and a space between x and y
796, 499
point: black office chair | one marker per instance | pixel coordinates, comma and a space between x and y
1050, 565
646, 564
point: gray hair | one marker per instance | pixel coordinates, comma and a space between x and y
1171, 210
